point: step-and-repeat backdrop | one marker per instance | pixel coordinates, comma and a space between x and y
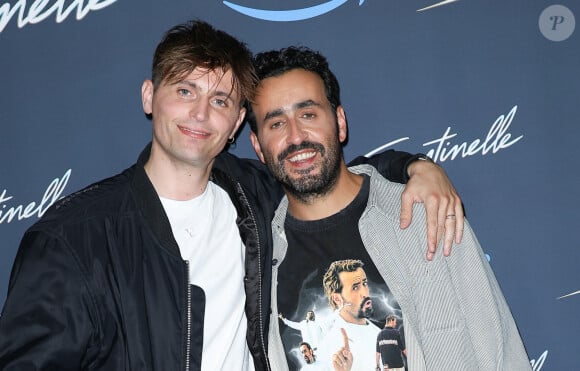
489, 89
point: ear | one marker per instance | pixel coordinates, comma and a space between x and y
342, 126
257, 147
147, 96
336, 299
239, 121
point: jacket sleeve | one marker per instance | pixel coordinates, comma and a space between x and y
390, 163
45, 323
493, 330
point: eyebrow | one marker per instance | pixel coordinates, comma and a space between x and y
218, 93
295, 106
359, 282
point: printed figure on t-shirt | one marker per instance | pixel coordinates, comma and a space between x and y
391, 347
347, 289
310, 330
313, 247
310, 361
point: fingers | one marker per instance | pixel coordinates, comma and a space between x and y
342, 360
460, 219
430, 185
450, 225
434, 230
344, 339
406, 209
454, 224
445, 219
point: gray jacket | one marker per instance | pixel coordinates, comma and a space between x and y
455, 315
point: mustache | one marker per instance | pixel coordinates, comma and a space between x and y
365, 300
299, 147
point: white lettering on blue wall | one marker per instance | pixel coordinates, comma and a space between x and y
445, 149
24, 211
39, 10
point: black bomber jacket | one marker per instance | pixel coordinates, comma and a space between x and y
98, 282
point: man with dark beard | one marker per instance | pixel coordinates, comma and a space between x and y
332, 212
311, 364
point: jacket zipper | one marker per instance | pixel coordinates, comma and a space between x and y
262, 341
188, 318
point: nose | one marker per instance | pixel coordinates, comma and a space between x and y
296, 133
364, 292
199, 110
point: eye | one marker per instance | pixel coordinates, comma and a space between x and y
276, 125
308, 116
220, 102
183, 92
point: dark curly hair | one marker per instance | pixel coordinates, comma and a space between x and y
277, 62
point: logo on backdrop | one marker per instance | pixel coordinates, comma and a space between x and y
302, 13
19, 212
446, 148
557, 23
568, 295
38, 11
539, 363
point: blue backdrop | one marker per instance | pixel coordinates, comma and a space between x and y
489, 89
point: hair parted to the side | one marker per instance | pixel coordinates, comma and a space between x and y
194, 44
331, 280
277, 62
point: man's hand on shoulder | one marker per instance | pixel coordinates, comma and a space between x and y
428, 184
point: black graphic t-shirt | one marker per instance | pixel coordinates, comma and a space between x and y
307, 313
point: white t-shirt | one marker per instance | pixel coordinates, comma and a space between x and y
362, 343
205, 230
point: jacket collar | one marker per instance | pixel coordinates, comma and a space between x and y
149, 204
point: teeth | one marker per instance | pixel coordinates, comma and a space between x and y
194, 131
302, 156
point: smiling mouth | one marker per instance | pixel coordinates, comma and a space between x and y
300, 152
193, 132
302, 156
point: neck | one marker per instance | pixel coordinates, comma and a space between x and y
175, 180
336, 199
352, 319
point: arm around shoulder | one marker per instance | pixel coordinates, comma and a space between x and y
390, 163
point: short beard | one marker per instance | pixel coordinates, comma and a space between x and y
365, 312
309, 187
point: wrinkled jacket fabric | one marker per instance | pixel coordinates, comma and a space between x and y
98, 282
454, 312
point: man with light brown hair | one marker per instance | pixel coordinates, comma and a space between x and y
165, 266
